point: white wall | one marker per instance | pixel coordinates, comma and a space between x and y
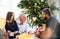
57, 4
9, 5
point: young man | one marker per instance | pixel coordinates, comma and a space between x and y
51, 24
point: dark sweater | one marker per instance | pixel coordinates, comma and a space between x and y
12, 26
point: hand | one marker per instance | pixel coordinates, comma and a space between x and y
37, 33
43, 27
8, 31
43, 24
6, 34
15, 32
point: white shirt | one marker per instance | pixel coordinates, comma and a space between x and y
22, 28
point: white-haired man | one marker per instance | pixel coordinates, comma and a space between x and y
22, 25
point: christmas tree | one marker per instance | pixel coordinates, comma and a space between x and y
34, 9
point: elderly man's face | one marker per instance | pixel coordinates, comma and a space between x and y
22, 18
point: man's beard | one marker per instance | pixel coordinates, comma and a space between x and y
44, 18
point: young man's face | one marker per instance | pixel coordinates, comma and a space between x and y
44, 16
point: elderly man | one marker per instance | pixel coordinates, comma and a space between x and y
22, 25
